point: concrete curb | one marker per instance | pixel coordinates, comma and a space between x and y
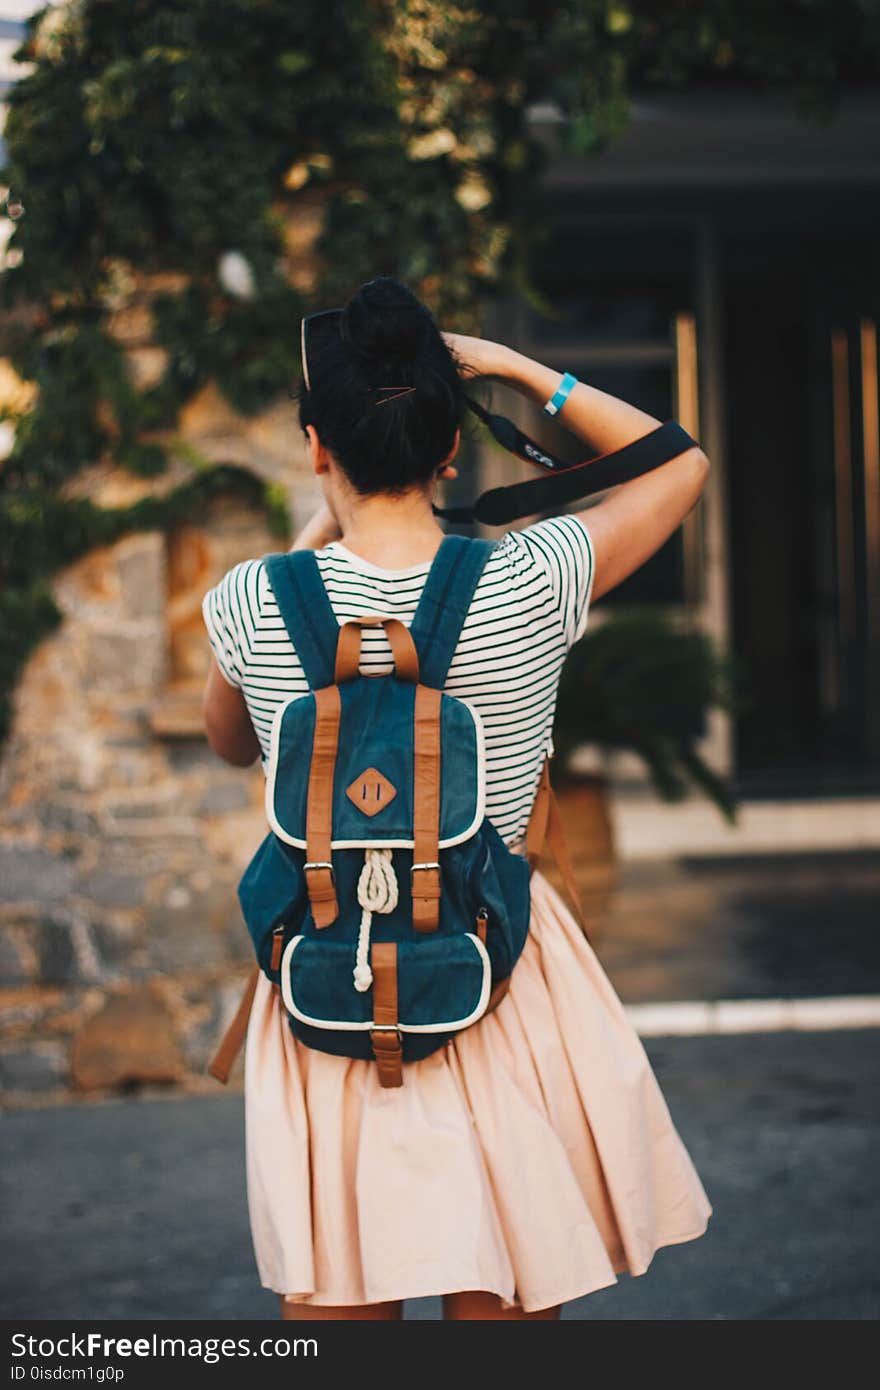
691, 1018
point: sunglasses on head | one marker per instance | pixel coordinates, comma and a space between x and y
316, 332
563, 481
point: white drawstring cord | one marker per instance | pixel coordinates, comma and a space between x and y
377, 892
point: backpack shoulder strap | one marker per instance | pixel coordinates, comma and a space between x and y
443, 606
308, 615
545, 829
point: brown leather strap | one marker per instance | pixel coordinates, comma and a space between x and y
546, 827
559, 849
319, 807
536, 830
348, 652
426, 810
403, 649
384, 1036
498, 993
222, 1062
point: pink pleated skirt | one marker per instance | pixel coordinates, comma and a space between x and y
533, 1157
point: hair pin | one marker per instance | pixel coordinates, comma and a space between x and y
398, 391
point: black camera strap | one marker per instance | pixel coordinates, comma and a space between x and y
564, 481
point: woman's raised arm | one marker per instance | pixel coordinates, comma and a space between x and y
634, 519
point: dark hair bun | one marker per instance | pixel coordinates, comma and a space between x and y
385, 441
384, 323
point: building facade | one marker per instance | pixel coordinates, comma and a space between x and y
719, 264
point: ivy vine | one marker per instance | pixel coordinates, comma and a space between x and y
211, 171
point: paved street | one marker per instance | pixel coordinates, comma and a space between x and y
136, 1208
758, 927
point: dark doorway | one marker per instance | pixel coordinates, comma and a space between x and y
801, 309
797, 392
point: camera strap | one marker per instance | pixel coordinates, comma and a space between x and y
563, 481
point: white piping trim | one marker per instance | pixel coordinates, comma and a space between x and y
343, 1026
290, 1004
477, 1012
479, 814
272, 765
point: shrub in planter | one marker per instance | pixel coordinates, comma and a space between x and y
638, 683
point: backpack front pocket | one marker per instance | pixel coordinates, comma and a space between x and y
442, 984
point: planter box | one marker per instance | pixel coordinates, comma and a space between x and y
584, 804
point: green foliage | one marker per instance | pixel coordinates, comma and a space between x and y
638, 683
152, 140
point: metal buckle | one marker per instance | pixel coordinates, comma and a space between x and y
432, 864
320, 864
387, 1028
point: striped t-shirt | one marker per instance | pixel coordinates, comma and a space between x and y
530, 605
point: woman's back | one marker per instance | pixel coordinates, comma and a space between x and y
529, 607
532, 1157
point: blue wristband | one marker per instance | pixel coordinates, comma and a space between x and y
561, 394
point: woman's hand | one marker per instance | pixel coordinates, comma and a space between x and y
320, 529
477, 357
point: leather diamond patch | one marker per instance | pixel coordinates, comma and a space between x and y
371, 792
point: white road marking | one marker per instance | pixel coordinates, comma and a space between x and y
699, 1017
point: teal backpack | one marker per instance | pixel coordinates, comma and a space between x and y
383, 903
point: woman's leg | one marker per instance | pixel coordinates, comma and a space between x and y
487, 1307
363, 1312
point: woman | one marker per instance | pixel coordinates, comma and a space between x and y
533, 1158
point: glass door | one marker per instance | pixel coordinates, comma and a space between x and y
851, 627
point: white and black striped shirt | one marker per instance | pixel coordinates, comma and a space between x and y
529, 607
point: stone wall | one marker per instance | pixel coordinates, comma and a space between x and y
122, 836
